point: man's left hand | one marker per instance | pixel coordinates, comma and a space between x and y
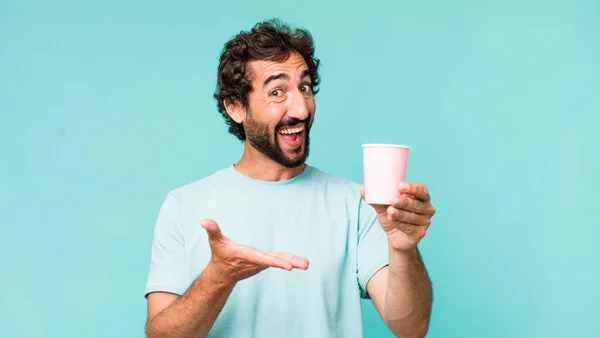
408, 217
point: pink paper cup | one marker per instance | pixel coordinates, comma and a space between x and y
384, 168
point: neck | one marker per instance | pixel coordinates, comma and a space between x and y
256, 165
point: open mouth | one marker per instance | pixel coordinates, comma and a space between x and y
292, 135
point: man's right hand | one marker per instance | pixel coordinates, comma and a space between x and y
234, 262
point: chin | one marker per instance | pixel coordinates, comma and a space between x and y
296, 160
292, 165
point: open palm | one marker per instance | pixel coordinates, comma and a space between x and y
236, 262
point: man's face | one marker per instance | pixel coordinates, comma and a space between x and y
280, 110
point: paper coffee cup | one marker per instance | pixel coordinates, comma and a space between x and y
384, 168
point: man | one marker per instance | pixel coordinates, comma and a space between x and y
231, 251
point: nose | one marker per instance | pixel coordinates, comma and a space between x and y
298, 105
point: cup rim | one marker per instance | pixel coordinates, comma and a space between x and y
389, 145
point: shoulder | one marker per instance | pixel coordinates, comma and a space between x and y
199, 187
336, 183
333, 178
346, 192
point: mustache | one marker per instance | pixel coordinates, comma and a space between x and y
292, 122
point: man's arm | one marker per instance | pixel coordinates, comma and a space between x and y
191, 315
402, 291
402, 294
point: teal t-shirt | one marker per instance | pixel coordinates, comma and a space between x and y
315, 215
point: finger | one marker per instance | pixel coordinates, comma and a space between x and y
412, 204
430, 210
408, 217
274, 261
410, 229
297, 262
418, 190
212, 228
262, 258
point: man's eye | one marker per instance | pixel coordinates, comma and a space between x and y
305, 88
277, 92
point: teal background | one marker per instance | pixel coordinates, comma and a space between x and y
107, 105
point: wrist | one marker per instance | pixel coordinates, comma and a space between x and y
404, 251
216, 276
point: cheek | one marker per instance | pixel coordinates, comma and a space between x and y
311, 106
275, 113
310, 103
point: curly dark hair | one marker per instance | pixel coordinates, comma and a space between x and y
268, 40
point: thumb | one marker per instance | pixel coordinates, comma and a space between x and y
212, 228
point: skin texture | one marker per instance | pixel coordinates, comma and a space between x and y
281, 97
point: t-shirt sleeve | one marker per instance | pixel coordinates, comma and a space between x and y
372, 247
167, 264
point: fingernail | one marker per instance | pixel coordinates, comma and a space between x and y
404, 186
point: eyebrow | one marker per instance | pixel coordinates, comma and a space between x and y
284, 76
276, 77
305, 73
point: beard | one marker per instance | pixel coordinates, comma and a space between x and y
267, 143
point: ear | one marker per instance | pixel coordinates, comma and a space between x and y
235, 109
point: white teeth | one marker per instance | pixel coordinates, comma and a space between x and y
291, 130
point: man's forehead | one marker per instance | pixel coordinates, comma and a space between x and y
293, 66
